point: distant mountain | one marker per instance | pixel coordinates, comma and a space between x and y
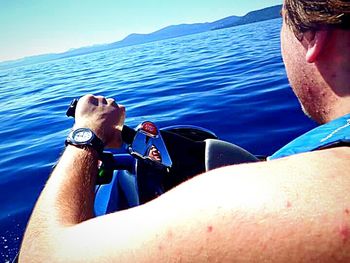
256, 16
173, 32
225, 22
164, 33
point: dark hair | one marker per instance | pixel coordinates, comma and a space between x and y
306, 15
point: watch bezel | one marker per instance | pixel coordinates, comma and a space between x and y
79, 130
93, 142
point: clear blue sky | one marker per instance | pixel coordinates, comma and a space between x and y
29, 27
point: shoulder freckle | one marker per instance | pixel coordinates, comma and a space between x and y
344, 232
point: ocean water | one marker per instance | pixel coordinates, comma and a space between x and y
230, 81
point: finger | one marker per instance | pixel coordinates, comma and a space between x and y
89, 98
112, 102
122, 108
101, 100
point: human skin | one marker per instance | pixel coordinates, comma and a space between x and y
295, 209
318, 70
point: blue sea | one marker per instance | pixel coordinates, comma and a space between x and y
231, 81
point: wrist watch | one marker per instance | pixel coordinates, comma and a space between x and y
84, 137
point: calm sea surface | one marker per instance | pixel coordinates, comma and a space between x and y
231, 81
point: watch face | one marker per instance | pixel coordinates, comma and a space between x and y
82, 135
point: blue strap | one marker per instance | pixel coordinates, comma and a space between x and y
327, 135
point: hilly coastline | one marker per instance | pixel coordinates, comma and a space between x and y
164, 33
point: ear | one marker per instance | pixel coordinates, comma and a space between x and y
316, 43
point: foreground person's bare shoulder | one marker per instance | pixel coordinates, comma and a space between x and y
295, 209
290, 210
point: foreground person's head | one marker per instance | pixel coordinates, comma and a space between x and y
315, 41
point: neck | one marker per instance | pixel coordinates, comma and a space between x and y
334, 72
341, 108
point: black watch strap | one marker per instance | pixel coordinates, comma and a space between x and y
92, 141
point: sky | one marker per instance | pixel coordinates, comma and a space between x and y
32, 27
